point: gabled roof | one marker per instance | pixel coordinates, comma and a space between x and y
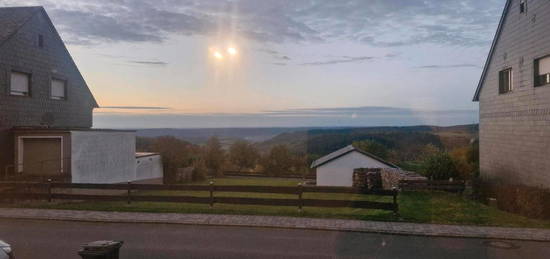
14, 18
344, 151
491, 52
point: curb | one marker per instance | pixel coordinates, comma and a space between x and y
391, 228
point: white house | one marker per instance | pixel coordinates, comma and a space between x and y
336, 168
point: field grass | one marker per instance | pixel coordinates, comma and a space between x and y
420, 207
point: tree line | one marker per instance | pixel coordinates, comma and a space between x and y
213, 159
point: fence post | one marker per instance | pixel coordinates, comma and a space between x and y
300, 192
395, 205
211, 194
129, 198
49, 190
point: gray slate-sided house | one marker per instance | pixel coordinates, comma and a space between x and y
514, 98
46, 110
336, 168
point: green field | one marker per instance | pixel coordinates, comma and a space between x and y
420, 207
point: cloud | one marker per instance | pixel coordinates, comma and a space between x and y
343, 59
383, 23
145, 62
274, 54
135, 107
449, 66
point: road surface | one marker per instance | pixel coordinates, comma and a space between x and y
62, 239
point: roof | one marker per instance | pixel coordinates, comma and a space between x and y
492, 51
14, 18
145, 154
344, 151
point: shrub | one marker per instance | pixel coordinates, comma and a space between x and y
439, 166
519, 199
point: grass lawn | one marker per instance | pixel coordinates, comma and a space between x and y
420, 207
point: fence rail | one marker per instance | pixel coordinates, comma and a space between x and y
47, 191
449, 186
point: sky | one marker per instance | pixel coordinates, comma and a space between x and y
167, 63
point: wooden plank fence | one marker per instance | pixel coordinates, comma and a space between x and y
47, 191
448, 186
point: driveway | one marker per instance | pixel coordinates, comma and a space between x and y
62, 239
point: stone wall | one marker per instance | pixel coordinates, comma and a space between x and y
392, 176
367, 178
382, 178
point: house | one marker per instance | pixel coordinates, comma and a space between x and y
46, 110
336, 168
514, 98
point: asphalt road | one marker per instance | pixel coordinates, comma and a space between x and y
61, 239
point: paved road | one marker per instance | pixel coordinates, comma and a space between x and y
61, 239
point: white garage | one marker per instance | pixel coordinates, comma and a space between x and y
336, 168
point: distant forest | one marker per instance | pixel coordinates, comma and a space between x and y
291, 151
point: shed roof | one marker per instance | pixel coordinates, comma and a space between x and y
344, 151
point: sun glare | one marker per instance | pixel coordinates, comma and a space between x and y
232, 51
218, 55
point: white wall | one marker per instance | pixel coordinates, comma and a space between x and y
149, 167
339, 172
103, 156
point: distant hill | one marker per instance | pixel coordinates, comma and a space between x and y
407, 140
321, 141
227, 135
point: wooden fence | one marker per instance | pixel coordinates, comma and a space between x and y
259, 174
448, 186
47, 191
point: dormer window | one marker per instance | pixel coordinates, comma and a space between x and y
542, 71
522, 6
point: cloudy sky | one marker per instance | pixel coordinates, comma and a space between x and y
165, 63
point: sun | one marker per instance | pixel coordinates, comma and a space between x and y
232, 51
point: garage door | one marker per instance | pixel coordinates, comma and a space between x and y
41, 156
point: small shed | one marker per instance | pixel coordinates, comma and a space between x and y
336, 168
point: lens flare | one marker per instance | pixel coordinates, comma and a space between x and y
232, 51
217, 55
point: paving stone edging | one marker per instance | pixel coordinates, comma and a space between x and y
399, 228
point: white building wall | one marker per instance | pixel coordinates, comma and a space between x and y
149, 167
339, 172
103, 156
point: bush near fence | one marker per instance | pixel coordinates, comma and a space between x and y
47, 191
524, 200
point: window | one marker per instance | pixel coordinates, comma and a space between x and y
40, 41
58, 89
542, 71
522, 6
20, 83
505, 81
